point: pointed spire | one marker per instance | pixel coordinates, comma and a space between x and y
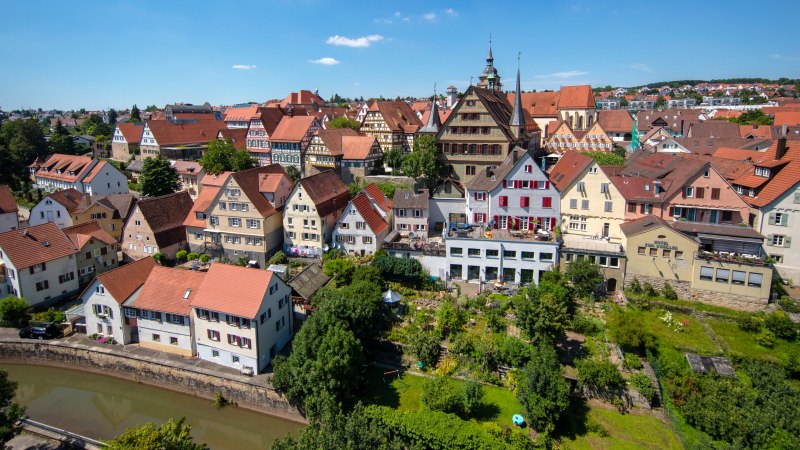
489, 57
517, 118
434, 122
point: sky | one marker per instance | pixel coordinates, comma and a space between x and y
111, 54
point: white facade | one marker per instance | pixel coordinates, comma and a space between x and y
353, 234
49, 210
490, 260
43, 283
107, 181
779, 222
9, 221
104, 314
171, 333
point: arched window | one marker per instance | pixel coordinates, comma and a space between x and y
580, 122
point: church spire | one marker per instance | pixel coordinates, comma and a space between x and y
489, 57
517, 117
434, 122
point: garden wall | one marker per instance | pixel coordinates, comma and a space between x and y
686, 292
257, 395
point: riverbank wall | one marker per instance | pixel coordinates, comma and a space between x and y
252, 393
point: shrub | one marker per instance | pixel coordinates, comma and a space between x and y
449, 318
279, 258
51, 315
13, 311
642, 384
425, 346
599, 375
473, 397
788, 304
442, 394
626, 329
586, 325
649, 291
643, 303
766, 338
668, 292
632, 361
780, 324
635, 286
341, 269
192, 256
159, 257
180, 255
205, 258
749, 323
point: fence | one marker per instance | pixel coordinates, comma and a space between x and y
64, 436
670, 413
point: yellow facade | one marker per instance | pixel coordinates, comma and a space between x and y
103, 215
302, 225
592, 206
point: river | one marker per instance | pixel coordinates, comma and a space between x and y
103, 407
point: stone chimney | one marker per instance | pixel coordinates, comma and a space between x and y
780, 150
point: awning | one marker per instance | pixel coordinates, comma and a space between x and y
719, 237
208, 230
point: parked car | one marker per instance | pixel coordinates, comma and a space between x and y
40, 331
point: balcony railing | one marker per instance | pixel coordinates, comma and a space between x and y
735, 258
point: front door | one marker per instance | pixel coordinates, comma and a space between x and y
134, 335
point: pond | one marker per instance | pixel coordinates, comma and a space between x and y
102, 407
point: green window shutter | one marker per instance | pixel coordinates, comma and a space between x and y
797, 197
785, 219
772, 218
770, 239
787, 242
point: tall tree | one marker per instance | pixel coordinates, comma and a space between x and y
61, 141
294, 173
543, 314
112, 117
424, 161
173, 435
22, 142
135, 114
394, 159
344, 122
10, 412
542, 389
158, 177
95, 126
585, 277
222, 156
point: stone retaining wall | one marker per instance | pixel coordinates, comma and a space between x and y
686, 292
257, 395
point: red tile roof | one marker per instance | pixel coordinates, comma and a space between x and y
201, 204
784, 179
357, 147
215, 180
234, 290
443, 115
70, 198
165, 289
35, 245
327, 192
763, 131
7, 202
332, 138
250, 181
81, 234
398, 116
237, 136
568, 169
633, 188
132, 132
123, 281
66, 164
201, 132
95, 171
538, 104
292, 128
576, 97
303, 97
187, 167
374, 220
165, 215
615, 120
381, 199
787, 118
241, 114
269, 182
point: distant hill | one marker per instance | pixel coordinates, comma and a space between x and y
678, 83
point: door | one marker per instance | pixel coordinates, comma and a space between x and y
134, 335
611, 285
49, 216
606, 229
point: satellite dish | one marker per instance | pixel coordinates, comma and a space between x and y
411, 234
325, 248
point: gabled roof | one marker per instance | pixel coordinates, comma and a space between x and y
237, 136
292, 128
270, 118
165, 216
637, 188
332, 138
787, 118
496, 104
35, 245
486, 182
327, 192
201, 204
81, 234
170, 290
713, 129
123, 281
443, 115
309, 281
357, 147
199, 132
373, 219
241, 113
77, 165
94, 171
234, 290
304, 97
398, 116
249, 182
576, 97
270, 182
407, 198
615, 120
187, 167
70, 198
376, 194
7, 202
672, 118
569, 167
217, 180
647, 223
132, 132
781, 181
121, 203
538, 104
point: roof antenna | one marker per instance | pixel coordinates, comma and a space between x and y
470, 81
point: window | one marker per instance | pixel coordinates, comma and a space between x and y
546, 256
234, 222
584, 204
755, 279
474, 252
706, 273
701, 192
215, 353
456, 251
608, 206
235, 359
666, 253
253, 223
678, 254
653, 252
42, 285
367, 240
647, 208
641, 250
613, 262
360, 225
503, 200
778, 240
478, 196
214, 220
470, 170
173, 341
632, 207
491, 253
738, 277
69, 276
528, 256
573, 203
156, 337
722, 275
688, 192
511, 254
547, 202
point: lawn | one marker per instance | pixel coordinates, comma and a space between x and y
692, 337
405, 394
608, 429
743, 343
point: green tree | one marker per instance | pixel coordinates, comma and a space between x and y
61, 141
95, 126
441, 394
135, 114
542, 389
10, 412
21, 141
344, 122
14, 311
394, 159
158, 177
151, 108
661, 102
112, 116
449, 318
424, 161
585, 277
425, 346
625, 327
340, 269
544, 313
173, 435
355, 430
606, 159
293, 173
222, 156
473, 397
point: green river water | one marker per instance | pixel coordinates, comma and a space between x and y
103, 407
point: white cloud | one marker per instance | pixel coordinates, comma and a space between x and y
561, 75
451, 12
364, 41
325, 61
406, 19
243, 67
397, 14
430, 16
382, 20
356, 84
783, 57
642, 67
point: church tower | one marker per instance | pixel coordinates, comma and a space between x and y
517, 122
434, 122
489, 78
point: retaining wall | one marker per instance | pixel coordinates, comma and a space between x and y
686, 292
256, 395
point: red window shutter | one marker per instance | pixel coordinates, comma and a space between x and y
496, 221
483, 218
547, 185
209, 334
505, 183
517, 184
530, 223
536, 184
552, 223
249, 343
475, 217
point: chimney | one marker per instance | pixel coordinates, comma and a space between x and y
780, 151
681, 127
489, 172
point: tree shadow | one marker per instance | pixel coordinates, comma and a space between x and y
486, 411
382, 388
573, 421
569, 350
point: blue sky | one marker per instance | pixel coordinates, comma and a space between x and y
101, 54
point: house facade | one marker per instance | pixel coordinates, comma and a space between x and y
82, 173
410, 213
39, 264
9, 211
312, 211
362, 156
261, 128
109, 211
97, 250
392, 124
183, 140
593, 139
289, 141
125, 141
242, 317
364, 223
57, 208
190, 173
155, 225
325, 150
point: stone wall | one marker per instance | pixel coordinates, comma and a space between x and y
256, 394
686, 292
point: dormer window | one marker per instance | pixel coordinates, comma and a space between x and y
762, 172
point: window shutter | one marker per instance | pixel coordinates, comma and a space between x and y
785, 220
483, 218
505, 183
787, 242
772, 218
496, 221
770, 239
209, 334
797, 197
552, 223
547, 185
701, 192
536, 184
530, 223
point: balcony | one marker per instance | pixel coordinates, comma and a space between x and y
734, 258
478, 232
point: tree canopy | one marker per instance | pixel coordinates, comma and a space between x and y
424, 161
293, 173
10, 412
173, 435
344, 122
542, 389
394, 159
544, 313
222, 156
135, 114
585, 277
21, 141
61, 141
605, 158
158, 177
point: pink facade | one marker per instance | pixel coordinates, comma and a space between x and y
708, 198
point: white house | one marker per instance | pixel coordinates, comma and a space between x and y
39, 264
82, 173
162, 310
364, 223
242, 317
103, 299
9, 211
57, 207
411, 213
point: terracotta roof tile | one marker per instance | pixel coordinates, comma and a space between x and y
568, 168
304, 97
292, 128
132, 132
66, 164
237, 136
374, 220
398, 116
187, 167
95, 171
763, 131
79, 235
538, 104
787, 118
375, 193
615, 120
70, 198
201, 204
332, 138
327, 192
575, 97
201, 132
217, 180
357, 147
241, 114
123, 281
165, 216
7, 202
35, 245
443, 115
166, 290
234, 290
250, 182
